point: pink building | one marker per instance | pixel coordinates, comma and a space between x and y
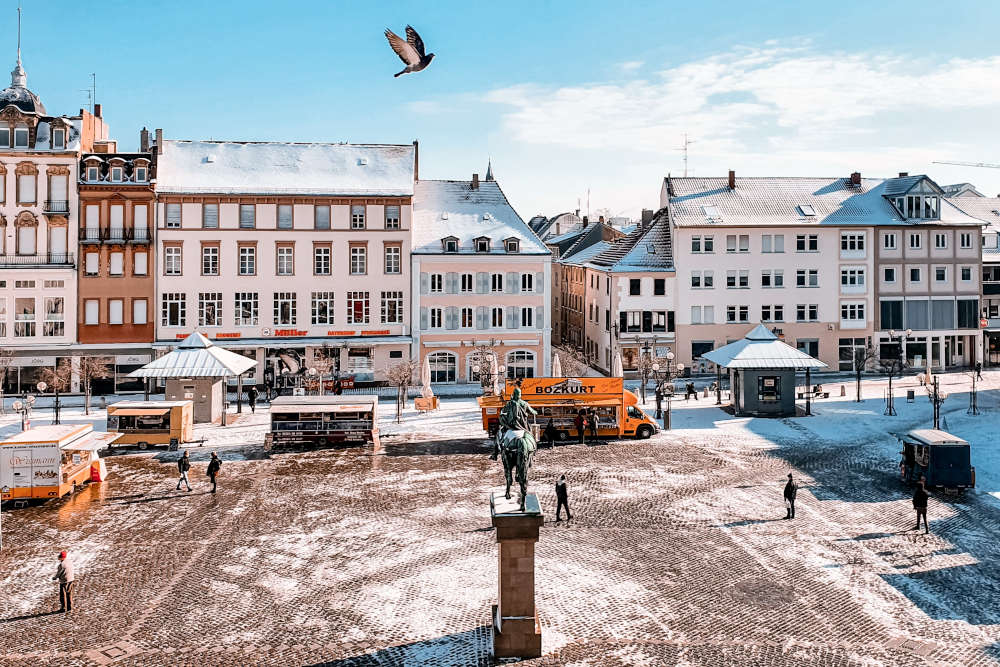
278, 250
480, 277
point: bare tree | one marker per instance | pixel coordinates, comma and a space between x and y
574, 363
482, 363
644, 364
862, 358
92, 368
6, 362
324, 361
892, 367
400, 375
59, 381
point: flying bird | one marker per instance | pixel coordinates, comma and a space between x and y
411, 52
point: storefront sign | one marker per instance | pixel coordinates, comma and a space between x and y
341, 333
381, 332
228, 335
131, 359
25, 362
563, 386
290, 332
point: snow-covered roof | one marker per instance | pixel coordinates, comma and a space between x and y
760, 348
454, 208
586, 254
196, 356
794, 201
226, 167
648, 248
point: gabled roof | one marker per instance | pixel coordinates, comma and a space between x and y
903, 184
229, 167
466, 210
760, 348
961, 190
648, 248
585, 255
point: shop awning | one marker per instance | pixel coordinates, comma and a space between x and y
139, 412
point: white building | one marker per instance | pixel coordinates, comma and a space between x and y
278, 250
480, 277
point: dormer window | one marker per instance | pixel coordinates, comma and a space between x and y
20, 137
482, 244
58, 139
92, 174
918, 207
5, 137
450, 244
807, 210
512, 245
116, 174
140, 174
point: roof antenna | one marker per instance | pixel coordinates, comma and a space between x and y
684, 148
18, 32
17, 77
93, 85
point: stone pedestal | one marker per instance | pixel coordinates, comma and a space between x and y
516, 631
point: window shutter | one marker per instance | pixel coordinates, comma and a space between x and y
482, 283
513, 285
481, 317
451, 283
140, 264
622, 323
92, 259
540, 282
539, 317
423, 318
138, 311
451, 317
425, 283
509, 318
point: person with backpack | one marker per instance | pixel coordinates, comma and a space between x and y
64, 573
213, 469
183, 465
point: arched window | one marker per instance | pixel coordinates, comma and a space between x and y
520, 364
478, 367
444, 367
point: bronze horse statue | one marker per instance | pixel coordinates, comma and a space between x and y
514, 444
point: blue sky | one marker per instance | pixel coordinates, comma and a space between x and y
565, 96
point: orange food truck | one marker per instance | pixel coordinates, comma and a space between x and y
145, 423
560, 399
50, 461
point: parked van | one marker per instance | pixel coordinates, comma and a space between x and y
560, 399
49, 461
145, 423
942, 459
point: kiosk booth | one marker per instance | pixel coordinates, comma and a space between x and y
145, 423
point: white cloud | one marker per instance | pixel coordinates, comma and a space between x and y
631, 65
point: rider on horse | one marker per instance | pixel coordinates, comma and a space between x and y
515, 441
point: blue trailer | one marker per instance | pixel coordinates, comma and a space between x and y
942, 459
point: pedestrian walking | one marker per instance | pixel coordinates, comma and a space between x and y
592, 422
920, 504
791, 488
252, 398
580, 421
338, 387
551, 433
64, 573
562, 498
213, 469
183, 465
979, 370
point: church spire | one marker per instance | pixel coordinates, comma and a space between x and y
489, 169
18, 79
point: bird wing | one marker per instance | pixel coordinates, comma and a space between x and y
414, 40
404, 50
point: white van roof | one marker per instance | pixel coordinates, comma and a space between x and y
933, 436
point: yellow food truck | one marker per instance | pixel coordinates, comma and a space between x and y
561, 399
145, 423
323, 420
50, 461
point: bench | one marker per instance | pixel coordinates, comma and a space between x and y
814, 394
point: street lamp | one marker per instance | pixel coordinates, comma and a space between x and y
24, 409
665, 386
313, 373
900, 338
42, 386
644, 368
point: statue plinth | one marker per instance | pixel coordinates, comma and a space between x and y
516, 630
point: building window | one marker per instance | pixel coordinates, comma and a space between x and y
889, 275
772, 278
737, 243
852, 277
528, 317
807, 278
357, 217
496, 317
467, 284
634, 286
210, 216
322, 307
772, 243
117, 264
940, 274
174, 312
520, 364
139, 314
511, 245
248, 260
443, 365
321, 217
769, 388
940, 240
807, 243
140, 175
467, 322
659, 287
26, 189
172, 261
357, 308
968, 313
210, 309
5, 137
852, 311
527, 282
450, 245
482, 245
116, 311
55, 317
966, 274
321, 260
92, 174
91, 311
248, 216
92, 264
437, 282
393, 259
24, 317
58, 139
965, 240
20, 137
286, 260
285, 307
889, 241
392, 308
173, 216
246, 309
807, 312
210, 260
116, 174
359, 260
914, 241
496, 282
436, 318
284, 216
852, 242
914, 275
392, 217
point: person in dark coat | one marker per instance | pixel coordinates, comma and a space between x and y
920, 504
791, 488
562, 498
338, 387
64, 573
979, 370
592, 422
213, 469
581, 423
551, 433
183, 465
252, 398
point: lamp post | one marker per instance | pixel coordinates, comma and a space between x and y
665, 386
313, 374
937, 398
900, 338
24, 409
42, 386
644, 368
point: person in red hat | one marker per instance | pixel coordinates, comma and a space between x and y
65, 576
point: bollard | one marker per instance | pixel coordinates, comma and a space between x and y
843, 390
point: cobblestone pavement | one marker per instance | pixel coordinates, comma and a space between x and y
676, 554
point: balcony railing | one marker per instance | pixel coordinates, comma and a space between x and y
56, 206
140, 234
114, 234
30, 261
90, 235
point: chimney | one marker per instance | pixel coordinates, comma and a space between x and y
159, 141
732, 179
586, 221
904, 174
475, 181
856, 178
416, 160
144, 140
97, 110
647, 217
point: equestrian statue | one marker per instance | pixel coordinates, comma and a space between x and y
514, 442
